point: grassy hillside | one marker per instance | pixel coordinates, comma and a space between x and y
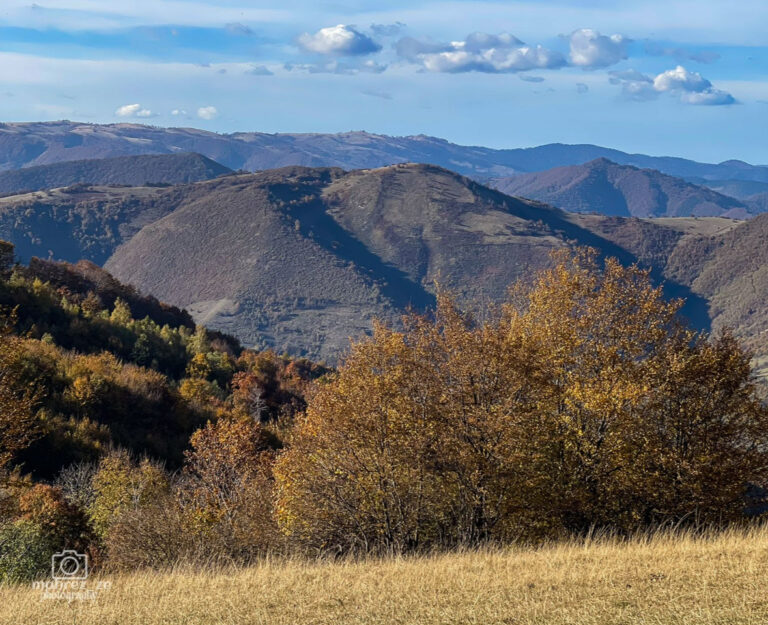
666, 580
121, 170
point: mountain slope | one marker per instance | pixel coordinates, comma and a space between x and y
121, 170
604, 187
740, 189
80, 222
40, 143
301, 259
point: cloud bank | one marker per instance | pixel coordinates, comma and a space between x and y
479, 52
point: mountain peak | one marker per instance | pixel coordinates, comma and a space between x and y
621, 190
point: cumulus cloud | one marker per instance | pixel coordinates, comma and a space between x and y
710, 97
479, 52
133, 110
207, 112
689, 87
590, 49
339, 40
178, 112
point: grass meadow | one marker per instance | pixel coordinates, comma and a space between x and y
680, 578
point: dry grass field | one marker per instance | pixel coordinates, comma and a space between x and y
718, 579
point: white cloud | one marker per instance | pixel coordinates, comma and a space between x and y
207, 112
479, 52
339, 40
710, 97
178, 112
690, 87
133, 110
590, 49
680, 79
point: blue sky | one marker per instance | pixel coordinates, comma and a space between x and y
677, 77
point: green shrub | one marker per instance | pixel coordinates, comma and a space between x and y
25, 552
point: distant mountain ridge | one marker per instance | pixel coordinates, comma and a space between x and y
610, 189
41, 143
120, 170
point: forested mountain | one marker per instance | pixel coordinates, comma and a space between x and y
604, 187
121, 170
41, 143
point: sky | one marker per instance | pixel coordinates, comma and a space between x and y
665, 77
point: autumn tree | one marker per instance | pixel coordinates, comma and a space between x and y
226, 489
18, 396
583, 401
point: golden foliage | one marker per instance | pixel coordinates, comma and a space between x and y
581, 402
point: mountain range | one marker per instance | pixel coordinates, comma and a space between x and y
43, 143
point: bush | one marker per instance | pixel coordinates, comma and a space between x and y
25, 552
153, 535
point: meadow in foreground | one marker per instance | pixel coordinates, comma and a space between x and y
669, 578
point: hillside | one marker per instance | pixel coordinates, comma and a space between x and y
301, 259
41, 143
740, 189
758, 202
604, 187
600, 582
121, 170
81, 221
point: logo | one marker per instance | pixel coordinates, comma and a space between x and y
69, 566
69, 573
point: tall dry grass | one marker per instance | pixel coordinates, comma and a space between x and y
666, 578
